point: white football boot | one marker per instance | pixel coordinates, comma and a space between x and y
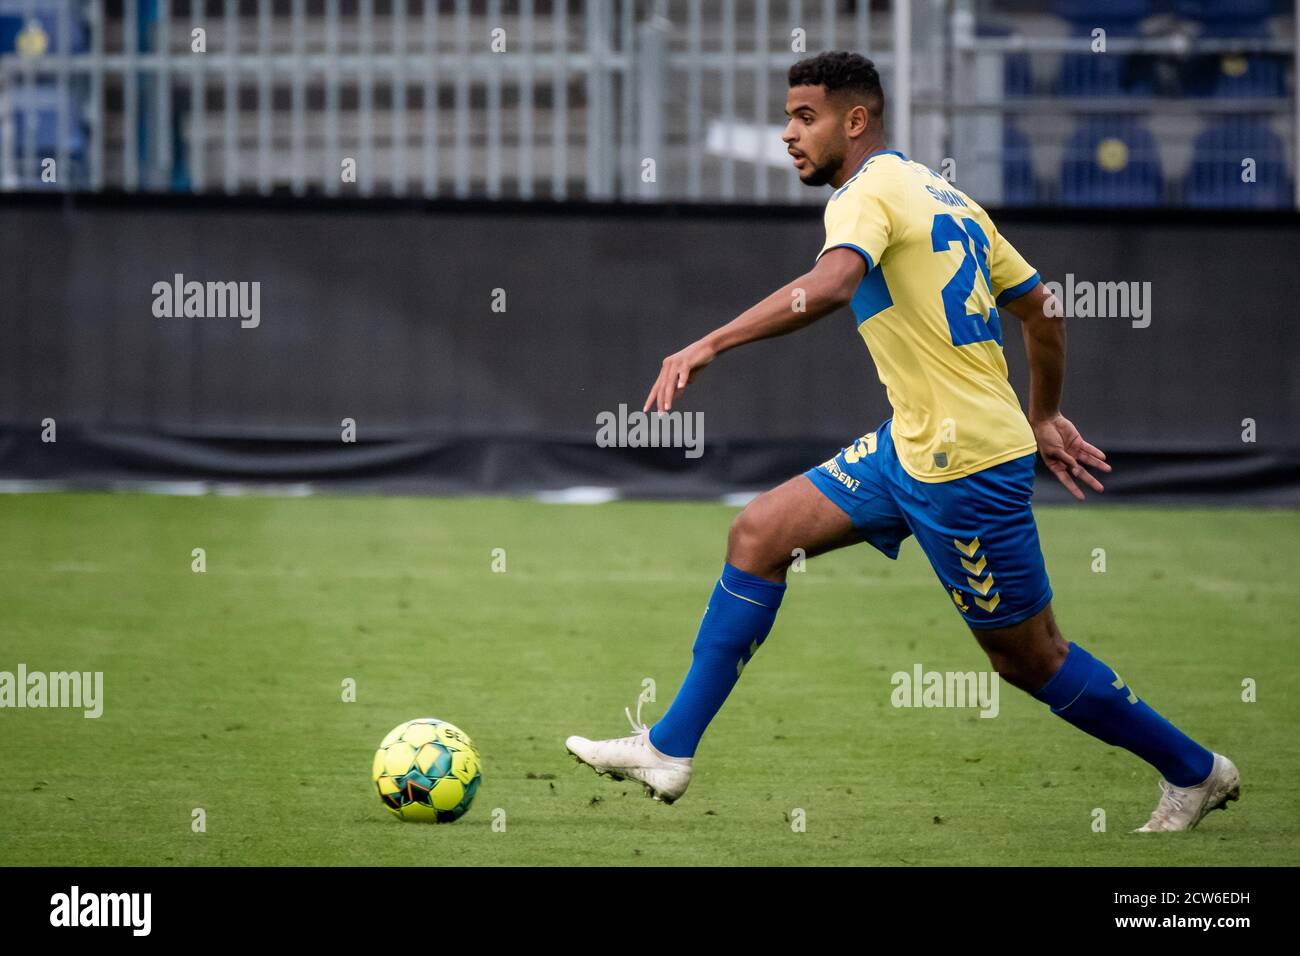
1182, 808
665, 778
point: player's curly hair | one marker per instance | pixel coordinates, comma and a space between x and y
843, 72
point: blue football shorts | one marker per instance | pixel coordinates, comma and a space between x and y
977, 531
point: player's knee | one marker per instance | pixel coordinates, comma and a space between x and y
1019, 671
1027, 655
745, 539
1050, 649
751, 543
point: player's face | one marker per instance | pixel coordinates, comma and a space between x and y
814, 136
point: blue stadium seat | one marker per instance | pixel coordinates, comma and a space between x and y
36, 28
1017, 74
1095, 11
45, 30
1240, 10
1110, 74
1215, 177
40, 104
1101, 75
1258, 75
1232, 75
1111, 161
1018, 184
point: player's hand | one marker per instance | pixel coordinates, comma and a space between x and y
1067, 455
678, 371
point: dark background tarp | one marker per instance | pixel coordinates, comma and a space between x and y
383, 313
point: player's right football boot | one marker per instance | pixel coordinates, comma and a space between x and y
665, 778
1181, 808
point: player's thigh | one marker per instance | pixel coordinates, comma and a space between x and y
855, 482
1027, 653
792, 517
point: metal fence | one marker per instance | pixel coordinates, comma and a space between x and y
414, 97
612, 99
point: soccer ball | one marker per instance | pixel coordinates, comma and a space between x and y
427, 770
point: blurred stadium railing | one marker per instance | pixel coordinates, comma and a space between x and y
1071, 102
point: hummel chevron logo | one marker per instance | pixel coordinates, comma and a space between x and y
990, 604
740, 663
1118, 684
967, 549
981, 586
974, 567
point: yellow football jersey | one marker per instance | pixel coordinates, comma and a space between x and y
937, 269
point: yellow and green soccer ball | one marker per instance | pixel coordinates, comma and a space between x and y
427, 770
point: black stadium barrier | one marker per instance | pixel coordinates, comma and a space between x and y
475, 345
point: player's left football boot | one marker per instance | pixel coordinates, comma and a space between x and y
1182, 808
665, 778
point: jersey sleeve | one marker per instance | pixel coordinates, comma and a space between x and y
858, 219
1009, 274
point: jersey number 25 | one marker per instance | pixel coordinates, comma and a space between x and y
966, 328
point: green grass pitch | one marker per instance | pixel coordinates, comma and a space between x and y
223, 689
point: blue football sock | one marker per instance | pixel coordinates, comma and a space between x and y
1087, 693
737, 620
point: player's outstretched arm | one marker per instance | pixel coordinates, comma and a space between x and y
1067, 455
827, 287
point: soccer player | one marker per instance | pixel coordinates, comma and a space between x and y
927, 276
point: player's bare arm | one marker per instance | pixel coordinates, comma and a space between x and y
828, 287
1067, 455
